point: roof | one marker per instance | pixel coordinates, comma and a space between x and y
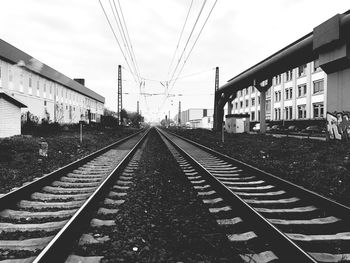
12, 100
16, 56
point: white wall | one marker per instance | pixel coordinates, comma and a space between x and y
36, 91
10, 119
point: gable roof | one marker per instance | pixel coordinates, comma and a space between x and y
22, 59
12, 100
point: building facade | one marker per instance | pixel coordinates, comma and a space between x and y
47, 93
196, 118
298, 94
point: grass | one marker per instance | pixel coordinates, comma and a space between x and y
20, 160
321, 166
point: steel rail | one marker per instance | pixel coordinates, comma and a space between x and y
329, 205
288, 251
25, 191
61, 245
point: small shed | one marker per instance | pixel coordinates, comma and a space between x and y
237, 123
10, 115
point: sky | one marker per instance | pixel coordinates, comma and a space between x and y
74, 37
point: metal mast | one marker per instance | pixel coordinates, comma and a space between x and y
120, 99
215, 97
179, 114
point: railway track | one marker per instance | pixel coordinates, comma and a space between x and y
268, 218
40, 221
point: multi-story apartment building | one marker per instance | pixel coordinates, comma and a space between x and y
297, 94
47, 93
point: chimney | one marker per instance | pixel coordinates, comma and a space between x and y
80, 81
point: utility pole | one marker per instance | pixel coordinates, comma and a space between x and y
138, 109
215, 98
179, 114
120, 99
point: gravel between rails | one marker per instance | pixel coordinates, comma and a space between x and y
162, 219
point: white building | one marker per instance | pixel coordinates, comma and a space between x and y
10, 118
47, 93
196, 118
297, 94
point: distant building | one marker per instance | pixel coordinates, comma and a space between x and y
297, 94
196, 118
10, 117
47, 93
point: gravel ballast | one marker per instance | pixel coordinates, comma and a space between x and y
162, 218
321, 166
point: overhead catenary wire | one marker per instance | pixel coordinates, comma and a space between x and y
195, 42
115, 37
178, 42
186, 59
182, 53
125, 40
188, 40
115, 14
127, 34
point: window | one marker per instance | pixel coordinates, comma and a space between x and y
50, 91
268, 106
301, 111
45, 90
278, 79
253, 101
318, 86
302, 89
318, 110
30, 83
253, 115
21, 81
241, 104
45, 103
258, 100
277, 113
302, 70
278, 95
37, 88
288, 93
205, 112
236, 105
10, 79
288, 113
246, 103
289, 75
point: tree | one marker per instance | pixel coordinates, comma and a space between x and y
135, 119
123, 116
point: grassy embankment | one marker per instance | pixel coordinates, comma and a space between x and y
321, 166
20, 160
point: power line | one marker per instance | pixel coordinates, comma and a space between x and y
115, 36
127, 34
185, 61
120, 27
200, 32
178, 42
188, 40
125, 38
